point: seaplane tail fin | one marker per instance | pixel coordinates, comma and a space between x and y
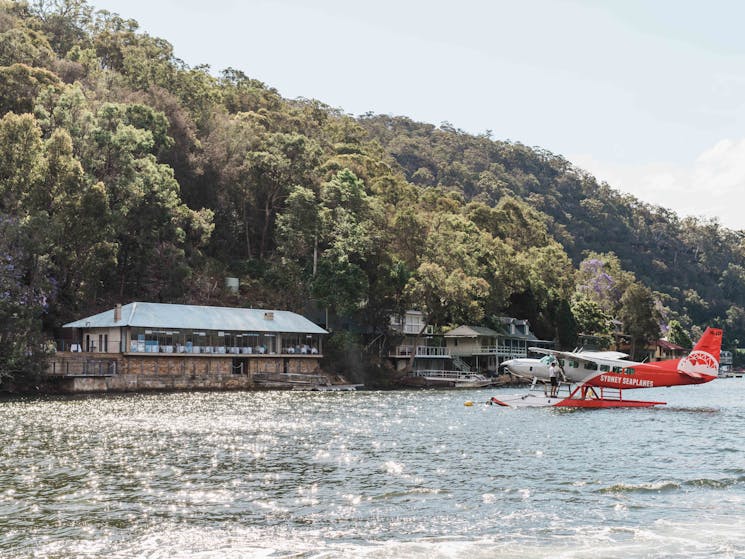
703, 361
710, 342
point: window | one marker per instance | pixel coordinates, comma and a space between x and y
604, 368
629, 371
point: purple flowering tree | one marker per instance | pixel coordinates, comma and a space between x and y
601, 279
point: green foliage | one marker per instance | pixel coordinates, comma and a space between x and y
64, 22
128, 174
23, 299
20, 84
298, 225
23, 46
639, 316
590, 317
601, 279
446, 296
677, 335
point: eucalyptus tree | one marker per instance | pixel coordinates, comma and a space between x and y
447, 285
592, 320
639, 315
65, 23
350, 233
23, 301
677, 335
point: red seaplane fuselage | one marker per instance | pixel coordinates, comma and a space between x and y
699, 366
595, 380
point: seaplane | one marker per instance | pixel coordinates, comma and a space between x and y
598, 379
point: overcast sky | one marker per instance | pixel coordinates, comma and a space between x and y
646, 95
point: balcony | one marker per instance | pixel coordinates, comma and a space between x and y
504, 351
413, 329
153, 347
81, 365
422, 351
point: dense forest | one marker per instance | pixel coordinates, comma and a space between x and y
128, 175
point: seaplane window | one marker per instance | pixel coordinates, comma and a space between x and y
604, 368
618, 369
590, 365
629, 371
574, 364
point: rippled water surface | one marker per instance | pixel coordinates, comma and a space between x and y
373, 474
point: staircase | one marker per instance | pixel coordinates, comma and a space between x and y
461, 365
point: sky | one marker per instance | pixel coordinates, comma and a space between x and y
648, 96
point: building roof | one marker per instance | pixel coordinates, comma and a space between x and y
162, 315
664, 344
470, 332
511, 320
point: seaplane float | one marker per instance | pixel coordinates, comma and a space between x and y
598, 379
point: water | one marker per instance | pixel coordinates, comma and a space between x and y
369, 474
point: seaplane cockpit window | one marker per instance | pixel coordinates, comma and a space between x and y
628, 371
604, 368
574, 364
618, 370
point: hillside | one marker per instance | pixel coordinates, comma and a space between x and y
676, 256
126, 174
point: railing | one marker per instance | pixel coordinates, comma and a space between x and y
140, 347
82, 368
411, 329
504, 351
449, 375
462, 365
432, 351
291, 378
422, 351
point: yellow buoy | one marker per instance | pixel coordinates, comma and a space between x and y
468, 403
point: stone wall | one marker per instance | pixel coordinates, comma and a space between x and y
142, 383
70, 372
170, 365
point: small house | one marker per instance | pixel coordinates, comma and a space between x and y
665, 350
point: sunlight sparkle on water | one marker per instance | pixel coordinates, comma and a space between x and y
396, 474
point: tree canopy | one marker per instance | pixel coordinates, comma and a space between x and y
126, 174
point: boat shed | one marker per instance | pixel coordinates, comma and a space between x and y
166, 346
166, 328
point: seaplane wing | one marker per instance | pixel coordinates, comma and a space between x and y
585, 355
605, 359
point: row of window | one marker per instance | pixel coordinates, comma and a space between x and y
192, 341
590, 366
